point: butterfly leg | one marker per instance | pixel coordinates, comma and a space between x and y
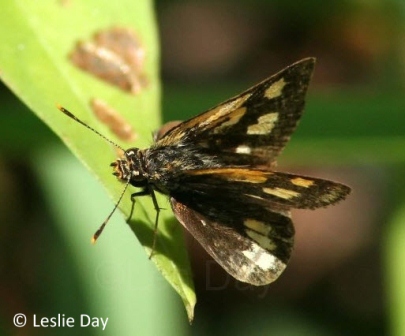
156, 205
147, 192
144, 192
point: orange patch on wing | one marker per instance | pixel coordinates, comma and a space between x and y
236, 175
301, 182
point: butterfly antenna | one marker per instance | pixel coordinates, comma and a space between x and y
102, 226
71, 115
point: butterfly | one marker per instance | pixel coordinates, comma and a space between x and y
218, 170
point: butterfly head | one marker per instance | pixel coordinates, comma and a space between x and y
130, 168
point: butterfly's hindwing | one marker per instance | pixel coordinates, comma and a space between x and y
253, 249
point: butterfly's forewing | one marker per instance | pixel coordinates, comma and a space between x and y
253, 186
253, 127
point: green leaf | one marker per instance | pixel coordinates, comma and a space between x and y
36, 40
395, 275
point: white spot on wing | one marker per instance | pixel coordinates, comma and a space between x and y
302, 182
330, 197
275, 90
243, 149
265, 124
258, 226
262, 240
281, 192
261, 258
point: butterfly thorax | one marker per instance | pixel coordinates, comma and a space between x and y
166, 164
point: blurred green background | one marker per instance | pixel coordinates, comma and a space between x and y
346, 275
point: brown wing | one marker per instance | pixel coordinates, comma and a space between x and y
253, 127
253, 249
239, 186
242, 218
